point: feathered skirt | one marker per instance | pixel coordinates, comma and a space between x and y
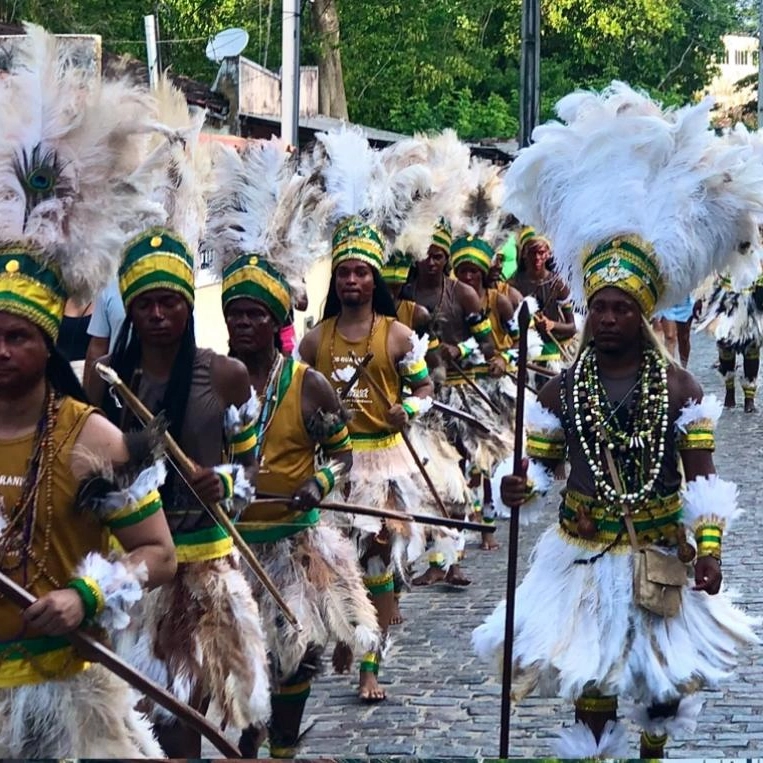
201, 635
90, 715
577, 627
317, 573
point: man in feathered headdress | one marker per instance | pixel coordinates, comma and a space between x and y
265, 247
63, 215
636, 607
200, 636
358, 321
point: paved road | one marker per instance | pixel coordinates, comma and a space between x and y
444, 703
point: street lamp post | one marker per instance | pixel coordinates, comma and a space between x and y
529, 71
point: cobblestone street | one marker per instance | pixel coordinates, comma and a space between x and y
444, 703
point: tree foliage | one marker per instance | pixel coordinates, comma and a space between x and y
429, 64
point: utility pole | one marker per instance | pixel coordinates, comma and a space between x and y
760, 64
529, 71
151, 48
290, 72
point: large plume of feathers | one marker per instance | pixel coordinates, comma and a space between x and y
178, 165
448, 161
379, 187
621, 165
258, 203
483, 214
70, 148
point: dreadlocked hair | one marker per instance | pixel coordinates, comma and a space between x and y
382, 301
125, 359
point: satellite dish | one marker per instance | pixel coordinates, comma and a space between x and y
226, 44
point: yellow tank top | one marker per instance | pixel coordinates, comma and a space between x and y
368, 422
61, 537
405, 311
287, 459
501, 339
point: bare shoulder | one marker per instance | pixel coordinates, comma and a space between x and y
98, 435
550, 396
308, 347
467, 297
399, 340
230, 379
682, 387
318, 392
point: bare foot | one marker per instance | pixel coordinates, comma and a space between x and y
252, 738
342, 658
749, 405
396, 618
730, 400
430, 577
489, 543
457, 578
369, 689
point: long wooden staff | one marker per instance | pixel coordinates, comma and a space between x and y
371, 511
354, 378
473, 385
511, 574
188, 467
473, 421
408, 444
92, 649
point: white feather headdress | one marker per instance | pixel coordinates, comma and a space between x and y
70, 145
264, 222
648, 200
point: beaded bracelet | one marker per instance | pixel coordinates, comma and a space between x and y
91, 594
708, 539
325, 479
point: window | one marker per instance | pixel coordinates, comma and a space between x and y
741, 57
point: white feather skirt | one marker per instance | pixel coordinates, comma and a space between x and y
202, 635
90, 715
577, 624
317, 573
386, 478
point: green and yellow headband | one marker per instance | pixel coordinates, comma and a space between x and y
355, 239
249, 276
442, 236
627, 263
472, 249
30, 289
156, 259
529, 235
397, 268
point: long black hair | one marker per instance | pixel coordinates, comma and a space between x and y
382, 301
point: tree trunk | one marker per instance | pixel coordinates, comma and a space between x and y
331, 97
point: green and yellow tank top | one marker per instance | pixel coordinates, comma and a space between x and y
287, 459
368, 426
60, 538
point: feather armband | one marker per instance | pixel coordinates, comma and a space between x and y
238, 492
416, 406
710, 504
695, 426
108, 590
413, 366
479, 325
545, 434
240, 426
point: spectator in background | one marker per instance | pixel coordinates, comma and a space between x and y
72, 337
105, 322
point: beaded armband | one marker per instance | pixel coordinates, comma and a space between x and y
413, 367
416, 406
479, 325
545, 434
337, 440
133, 504
108, 590
695, 426
240, 427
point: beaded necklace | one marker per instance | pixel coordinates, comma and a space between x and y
638, 442
368, 339
268, 404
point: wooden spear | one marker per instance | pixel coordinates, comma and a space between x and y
92, 649
473, 385
511, 573
188, 467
